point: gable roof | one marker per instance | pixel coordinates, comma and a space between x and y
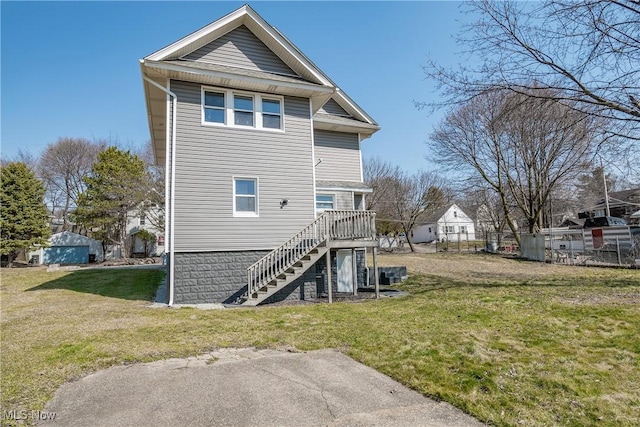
176, 61
438, 214
248, 17
621, 198
435, 216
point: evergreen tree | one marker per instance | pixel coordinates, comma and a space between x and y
115, 188
590, 188
24, 219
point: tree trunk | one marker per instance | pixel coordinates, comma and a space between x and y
406, 233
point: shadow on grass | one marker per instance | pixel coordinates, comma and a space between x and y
129, 284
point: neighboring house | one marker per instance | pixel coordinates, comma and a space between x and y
448, 224
622, 204
264, 182
58, 226
136, 222
68, 248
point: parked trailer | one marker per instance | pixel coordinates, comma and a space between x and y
608, 237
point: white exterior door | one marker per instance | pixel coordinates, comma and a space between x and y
345, 271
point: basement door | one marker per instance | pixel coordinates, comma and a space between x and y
345, 270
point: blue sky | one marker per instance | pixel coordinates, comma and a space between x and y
71, 68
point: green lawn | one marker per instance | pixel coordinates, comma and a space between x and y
509, 342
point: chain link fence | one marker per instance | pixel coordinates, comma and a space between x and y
607, 246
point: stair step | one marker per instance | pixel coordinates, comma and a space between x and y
283, 279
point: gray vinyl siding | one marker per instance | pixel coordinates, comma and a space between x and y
207, 159
340, 154
240, 48
344, 200
333, 108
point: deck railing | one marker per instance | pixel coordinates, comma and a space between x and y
330, 225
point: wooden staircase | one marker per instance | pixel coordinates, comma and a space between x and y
293, 258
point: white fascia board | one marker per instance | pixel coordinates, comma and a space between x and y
350, 106
147, 99
312, 88
244, 15
203, 32
365, 129
289, 47
355, 190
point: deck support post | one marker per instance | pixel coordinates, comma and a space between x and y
354, 270
329, 284
376, 279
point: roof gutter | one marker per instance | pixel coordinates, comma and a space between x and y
169, 183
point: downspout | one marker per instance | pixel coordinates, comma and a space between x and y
169, 184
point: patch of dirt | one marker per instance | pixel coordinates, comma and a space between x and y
362, 296
631, 298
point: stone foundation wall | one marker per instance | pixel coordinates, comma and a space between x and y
221, 277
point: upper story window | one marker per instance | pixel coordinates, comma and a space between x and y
271, 113
143, 219
243, 110
223, 107
245, 197
214, 107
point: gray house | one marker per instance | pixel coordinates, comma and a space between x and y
264, 184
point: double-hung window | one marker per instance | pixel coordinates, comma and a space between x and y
214, 107
225, 107
271, 113
243, 110
245, 197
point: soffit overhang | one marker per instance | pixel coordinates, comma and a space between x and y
343, 124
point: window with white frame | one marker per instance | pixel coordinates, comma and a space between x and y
243, 110
271, 116
324, 202
463, 229
448, 229
224, 107
214, 107
245, 196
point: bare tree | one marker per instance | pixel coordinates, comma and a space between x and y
27, 157
410, 199
153, 207
63, 166
484, 203
376, 174
583, 54
522, 147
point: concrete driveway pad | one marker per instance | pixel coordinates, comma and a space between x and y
248, 387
